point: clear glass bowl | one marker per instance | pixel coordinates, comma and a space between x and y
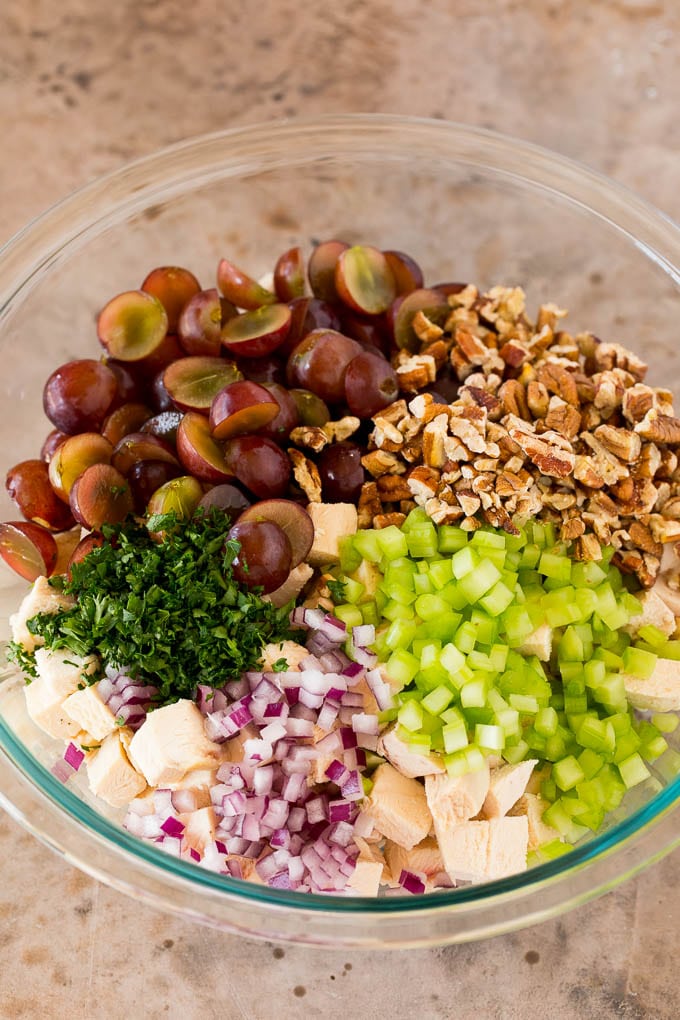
467, 204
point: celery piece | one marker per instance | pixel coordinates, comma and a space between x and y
654, 744
450, 538
429, 677
437, 700
453, 595
392, 542
517, 625
350, 615
464, 562
430, 607
597, 734
610, 659
487, 539
451, 658
617, 619
612, 691
515, 543
354, 590
465, 637
530, 556
420, 743
473, 694
416, 516
508, 719
548, 789
479, 660
442, 629
498, 599
546, 722
410, 716
586, 600
587, 574
422, 584
422, 541
367, 785
479, 581
455, 737
639, 663
489, 737
633, 770
672, 650
350, 558
524, 703
570, 647
590, 763
594, 672
575, 704
369, 613
560, 616
557, 568
401, 667
486, 627
397, 611
668, 766
367, 545
666, 722
567, 773
557, 818
652, 636
400, 634
400, 593
625, 745
440, 573
498, 656
427, 651
516, 753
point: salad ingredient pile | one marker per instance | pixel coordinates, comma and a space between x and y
369, 590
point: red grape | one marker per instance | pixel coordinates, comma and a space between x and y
264, 559
370, 384
78, 395
341, 472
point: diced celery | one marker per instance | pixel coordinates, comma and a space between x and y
422, 584
530, 556
451, 538
479, 660
594, 672
429, 607
440, 573
396, 611
487, 539
570, 647
427, 650
557, 818
410, 716
546, 722
612, 691
432, 676
479, 581
437, 700
489, 737
453, 595
626, 744
597, 734
420, 743
451, 658
466, 637
369, 613
392, 542
556, 567
350, 615
654, 744
455, 737
666, 722
353, 590
422, 541
442, 629
524, 703
498, 599
350, 558
401, 667
464, 562
590, 762
367, 545
508, 719
652, 635
633, 770
416, 516
498, 656
516, 753
517, 625
473, 694
639, 663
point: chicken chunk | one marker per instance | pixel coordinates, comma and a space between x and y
408, 762
291, 651
533, 806
398, 807
171, 743
456, 799
659, 693
292, 586
199, 827
425, 858
110, 774
506, 786
90, 712
59, 675
42, 598
485, 849
539, 643
654, 612
365, 879
332, 522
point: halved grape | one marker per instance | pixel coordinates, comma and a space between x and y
341, 471
291, 518
400, 315
319, 363
200, 324
257, 333
321, 269
240, 408
54, 439
280, 427
28, 484
73, 456
199, 452
78, 395
131, 384
264, 559
67, 541
125, 419
269, 369
99, 496
259, 464
164, 425
193, 382
174, 287
84, 548
289, 275
141, 446
168, 350
161, 400
132, 325
28, 549
364, 280
371, 331
407, 273
308, 313
227, 497
370, 384
239, 288
180, 496
312, 410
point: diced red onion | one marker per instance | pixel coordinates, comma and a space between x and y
341, 810
334, 661
412, 881
341, 833
299, 727
263, 779
194, 854
317, 809
353, 670
184, 800
293, 787
363, 825
62, 770
280, 838
173, 826
363, 634
336, 772
171, 845
352, 788
364, 723
297, 816
348, 737
327, 716
382, 692
73, 756
364, 656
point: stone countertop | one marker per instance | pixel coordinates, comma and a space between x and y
85, 87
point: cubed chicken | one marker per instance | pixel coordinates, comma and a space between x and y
365, 879
506, 786
659, 693
478, 850
332, 522
425, 858
87, 709
110, 774
533, 806
398, 807
171, 743
199, 827
59, 675
654, 612
291, 651
539, 643
292, 586
197, 784
406, 761
42, 598
455, 799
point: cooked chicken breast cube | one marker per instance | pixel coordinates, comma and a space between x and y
425, 858
87, 708
508, 846
42, 598
110, 774
171, 743
59, 674
406, 761
539, 643
291, 651
365, 879
455, 799
199, 827
332, 522
533, 806
398, 807
485, 849
292, 586
654, 612
659, 693
506, 786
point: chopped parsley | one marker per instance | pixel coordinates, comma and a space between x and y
337, 590
168, 612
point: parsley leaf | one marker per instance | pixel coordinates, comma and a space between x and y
337, 590
169, 612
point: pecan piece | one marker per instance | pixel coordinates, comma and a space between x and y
416, 372
659, 428
380, 462
368, 505
587, 547
623, 443
563, 418
395, 519
423, 483
642, 538
338, 431
551, 453
392, 488
425, 329
559, 381
311, 436
306, 475
538, 398
514, 399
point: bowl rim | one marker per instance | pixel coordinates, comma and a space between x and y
68, 224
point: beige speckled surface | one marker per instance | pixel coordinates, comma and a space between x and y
86, 86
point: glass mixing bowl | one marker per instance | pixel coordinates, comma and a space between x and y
467, 204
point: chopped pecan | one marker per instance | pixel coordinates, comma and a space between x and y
514, 353
608, 394
659, 428
470, 435
587, 547
392, 488
380, 462
609, 356
312, 436
469, 501
514, 399
551, 453
623, 443
563, 418
306, 475
498, 517
425, 329
434, 434
438, 350
643, 538
668, 465
416, 372
386, 435
423, 483
538, 398
586, 472
671, 508
559, 381
636, 402
482, 398
607, 464
368, 505
572, 527
549, 315
663, 529
394, 412
338, 431
393, 519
